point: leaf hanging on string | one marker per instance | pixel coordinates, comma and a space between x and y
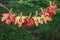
17, 20
4, 16
40, 20
36, 20
8, 21
44, 18
29, 21
12, 17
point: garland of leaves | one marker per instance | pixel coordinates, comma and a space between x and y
44, 17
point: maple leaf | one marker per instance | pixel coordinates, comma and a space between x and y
19, 21
18, 18
51, 12
8, 17
8, 21
4, 16
12, 17
53, 6
29, 22
43, 18
52, 9
36, 20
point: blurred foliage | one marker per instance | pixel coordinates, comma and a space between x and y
50, 31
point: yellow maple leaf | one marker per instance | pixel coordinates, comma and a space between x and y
44, 18
19, 20
36, 20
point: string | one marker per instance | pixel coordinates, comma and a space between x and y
8, 9
18, 14
21, 17
4, 7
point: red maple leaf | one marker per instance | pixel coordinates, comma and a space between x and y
51, 12
8, 18
8, 21
5, 16
53, 6
12, 17
29, 22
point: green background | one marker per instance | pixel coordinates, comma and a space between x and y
50, 31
